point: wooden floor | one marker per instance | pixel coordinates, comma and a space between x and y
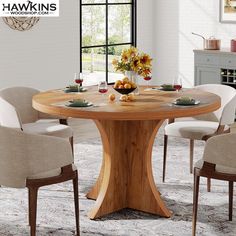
85, 130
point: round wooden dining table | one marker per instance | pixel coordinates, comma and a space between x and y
128, 131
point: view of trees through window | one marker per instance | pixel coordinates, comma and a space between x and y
107, 27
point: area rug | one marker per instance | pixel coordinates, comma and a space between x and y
56, 209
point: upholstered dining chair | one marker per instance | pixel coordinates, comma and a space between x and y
33, 161
30, 120
215, 123
218, 162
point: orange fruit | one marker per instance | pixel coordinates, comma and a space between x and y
112, 97
127, 86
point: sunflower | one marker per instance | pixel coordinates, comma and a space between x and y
135, 64
145, 59
145, 72
132, 52
125, 56
132, 60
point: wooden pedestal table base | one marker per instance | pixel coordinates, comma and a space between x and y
128, 131
126, 179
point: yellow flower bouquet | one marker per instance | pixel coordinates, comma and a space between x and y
132, 60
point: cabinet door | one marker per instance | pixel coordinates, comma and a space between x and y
207, 75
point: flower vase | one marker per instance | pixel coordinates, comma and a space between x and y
132, 76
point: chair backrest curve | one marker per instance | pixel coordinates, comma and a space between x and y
21, 99
23, 155
226, 114
221, 150
8, 115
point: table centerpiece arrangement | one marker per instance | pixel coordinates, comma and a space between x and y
132, 64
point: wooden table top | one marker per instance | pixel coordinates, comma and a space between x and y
149, 105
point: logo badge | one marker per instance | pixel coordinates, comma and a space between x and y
29, 8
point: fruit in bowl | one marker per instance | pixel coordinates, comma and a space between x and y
124, 86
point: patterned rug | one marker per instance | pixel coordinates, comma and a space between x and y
56, 209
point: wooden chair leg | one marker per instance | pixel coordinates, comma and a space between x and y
164, 157
208, 184
191, 155
195, 202
76, 200
29, 204
63, 121
33, 195
231, 190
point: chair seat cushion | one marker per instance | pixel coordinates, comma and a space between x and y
219, 168
48, 128
49, 174
55, 121
191, 129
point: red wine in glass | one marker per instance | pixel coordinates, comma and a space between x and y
177, 87
79, 78
147, 78
177, 83
102, 87
101, 90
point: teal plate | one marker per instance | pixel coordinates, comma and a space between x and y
81, 90
79, 104
196, 102
167, 89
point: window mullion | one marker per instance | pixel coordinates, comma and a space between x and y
107, 35
107, 46
81, 37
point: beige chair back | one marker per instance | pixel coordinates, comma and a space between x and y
21, 99
23, 155
226, 114
221, 150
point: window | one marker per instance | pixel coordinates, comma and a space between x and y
106, 28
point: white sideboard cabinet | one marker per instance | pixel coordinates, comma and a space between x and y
215, 67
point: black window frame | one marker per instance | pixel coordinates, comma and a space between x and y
133, 31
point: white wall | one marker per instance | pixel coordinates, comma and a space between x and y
145, 32
174, 21
44, 57
47, 55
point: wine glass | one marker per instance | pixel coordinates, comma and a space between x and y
147, 79
102, 87
177, 83
79, 78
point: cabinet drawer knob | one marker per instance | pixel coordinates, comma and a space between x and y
208, 59
230, 61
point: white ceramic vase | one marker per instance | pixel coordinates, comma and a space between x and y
133, 77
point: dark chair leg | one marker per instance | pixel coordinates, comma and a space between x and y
195, 202
33, 195
208, 184
29, 204
63, 121
191, 155
76, 200
231, 190
164, 157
